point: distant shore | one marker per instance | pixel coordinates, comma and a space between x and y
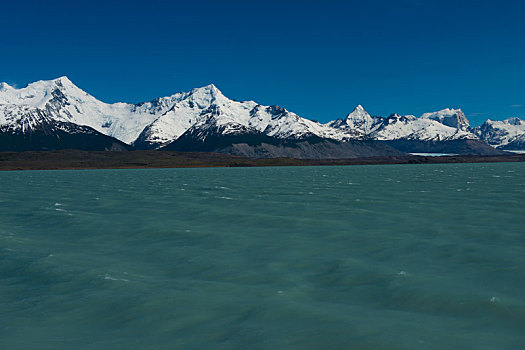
74, 159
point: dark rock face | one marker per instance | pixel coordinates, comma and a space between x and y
491, 135
517, 144
58, 135
457, 120
497, 134
327, 149
142, 142
464, 147
208, 137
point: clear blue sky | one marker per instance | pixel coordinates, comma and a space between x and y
316, 58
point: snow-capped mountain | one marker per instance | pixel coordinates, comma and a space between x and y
63, 101
359, 123
161, 121
505, 134
27, 128
445, 131
447, 124
206, 114
454, 118
208, 104
409, 127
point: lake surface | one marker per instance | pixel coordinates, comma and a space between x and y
355, 257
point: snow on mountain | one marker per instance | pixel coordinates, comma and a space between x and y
447, 124
29, 128
508, 134
66, 102
159, 122
359, 122
455, 118
278, 122
24, 117
409, 127
208, 103
192, 108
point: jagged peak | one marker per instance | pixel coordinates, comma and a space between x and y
399, 117
274, 109
359, 109
64, 80
210, 89
394, 115
40, 87
205, 96
39, 93
514, 121
450, 117
359, 112
209, 92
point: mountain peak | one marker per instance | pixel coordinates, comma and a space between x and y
450, 117
358, 119
50, 84
206, 95
515, 120
210, 88
40, 91
359, 112
64, 80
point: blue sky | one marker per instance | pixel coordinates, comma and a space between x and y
316, 58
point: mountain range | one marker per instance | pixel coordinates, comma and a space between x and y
56, 114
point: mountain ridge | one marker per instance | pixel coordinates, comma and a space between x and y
161, 121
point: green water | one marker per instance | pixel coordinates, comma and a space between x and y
358, 257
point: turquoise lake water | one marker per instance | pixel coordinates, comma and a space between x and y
356, 257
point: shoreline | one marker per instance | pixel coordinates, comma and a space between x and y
81, 160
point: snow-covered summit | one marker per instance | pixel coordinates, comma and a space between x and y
359, 121
409, 127
507, 134
36, 94
206, 95
209, 105
64, 101
454, 118
5, 86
